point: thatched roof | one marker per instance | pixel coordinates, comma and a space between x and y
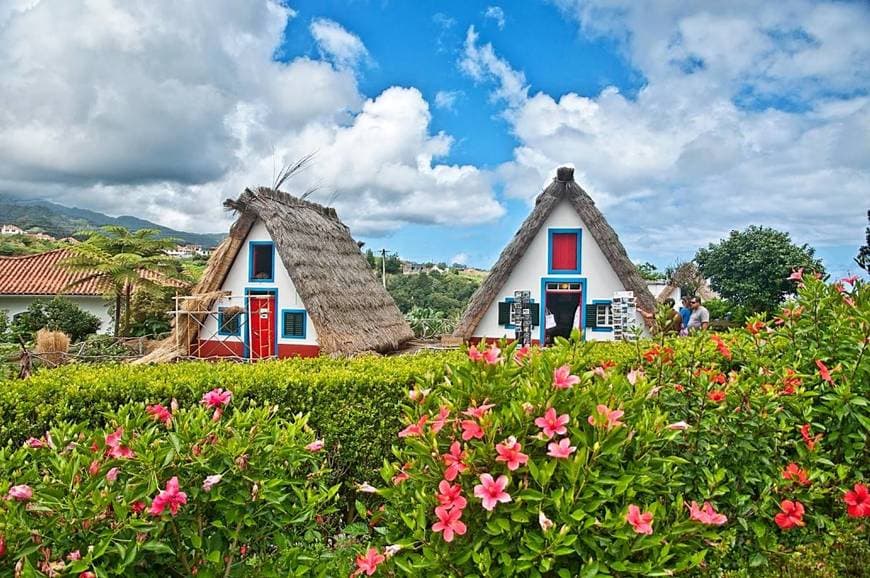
348, 306
562, 187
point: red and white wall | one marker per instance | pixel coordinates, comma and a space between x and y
288, 340
597, 278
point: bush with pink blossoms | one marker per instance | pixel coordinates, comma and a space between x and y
168, 491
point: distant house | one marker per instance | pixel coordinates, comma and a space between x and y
11, 230
574, 267
26, 278
289, 280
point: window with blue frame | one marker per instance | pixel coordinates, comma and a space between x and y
293, 323
229, 321
504, 312
564, 250
261, 261
599, 316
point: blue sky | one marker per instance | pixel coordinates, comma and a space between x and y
435, 124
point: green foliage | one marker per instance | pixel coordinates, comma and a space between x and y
446, 292
393, 263
150, 312
706, 418
863, 258
650, 272
261, 517
429, 323
58, 314
751, 268
11, 245
724, 309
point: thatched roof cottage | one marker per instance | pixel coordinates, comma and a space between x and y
289, 280
572, 264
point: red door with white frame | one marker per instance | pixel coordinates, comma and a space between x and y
262, 317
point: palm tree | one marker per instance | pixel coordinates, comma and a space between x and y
125, 262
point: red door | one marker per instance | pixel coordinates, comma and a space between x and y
262, 316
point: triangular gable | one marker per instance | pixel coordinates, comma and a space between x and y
563, 187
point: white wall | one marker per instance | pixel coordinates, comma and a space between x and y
97, 306
601, 279
237, 281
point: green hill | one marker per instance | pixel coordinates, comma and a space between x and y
60, 221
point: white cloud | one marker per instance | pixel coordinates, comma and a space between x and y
461, 258
162, 110
343, 47
496, 14
446, 99
746, 117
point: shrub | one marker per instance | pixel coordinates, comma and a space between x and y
171, 493
768, 424
52, 346
56, 314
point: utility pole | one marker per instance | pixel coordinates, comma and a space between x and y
384, 267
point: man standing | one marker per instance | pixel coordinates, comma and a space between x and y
685, 312
700, 317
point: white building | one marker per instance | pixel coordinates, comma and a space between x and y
11, 230
573, 265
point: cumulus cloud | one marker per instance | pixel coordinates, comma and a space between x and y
460, 258
496, 14
162, 110
747, 116
343, 47
446, 99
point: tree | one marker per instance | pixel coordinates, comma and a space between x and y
125, 262
863, 258
751, 268
686, 276
56, 314
444, 292
650, 272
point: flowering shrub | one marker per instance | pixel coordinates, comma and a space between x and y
716, 450
163, 491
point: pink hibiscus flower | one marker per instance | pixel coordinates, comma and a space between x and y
640, 521
449, 523
368, 564
492, 355
610, 417
509, 452
217, 398
521, 354
114, 449
474, 354
706, 515
824, 372
171, 497
562, 378
454, 462
491, 492
415, 429
471, 430
796, 275
112, 474
450, 495
561, 450
315, 446
478, 411
439, 422
857, 501
160, 413
20, 493
552, 425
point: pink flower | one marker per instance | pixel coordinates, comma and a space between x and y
492, 355
114, 449
562, 378
545, 522
809, 440
611, 416
478, 411
448, 522
369, 563
415, 429
509, 452
796, 473
402, 475
87, 574
450, 496
824, 371
35, 443
73, 556
112, 474
217, 398
211, 481
716, 396
561, 450
439, 422
160, 413
454, 462
492, 491
471, 430
137, 507
474, 354
21, 493
315, 446
796, 275
706, 515
641, 522
857, 501
552, 425
850, 280
634, 375
94, 468
521, 354
679, 425
171, 497
791, 514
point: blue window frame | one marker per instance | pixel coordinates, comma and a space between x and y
229, 324
544, 281
261, 262
550, 269
603, 310
294, 323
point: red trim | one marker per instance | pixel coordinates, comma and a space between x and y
564, 252
495, 340
218, 348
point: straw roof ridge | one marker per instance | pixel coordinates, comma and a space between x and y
348, 306
562, 187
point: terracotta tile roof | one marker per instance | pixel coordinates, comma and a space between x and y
40, 274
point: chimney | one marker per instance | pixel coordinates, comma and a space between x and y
565, 174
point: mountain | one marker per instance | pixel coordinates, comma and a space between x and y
60, 221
